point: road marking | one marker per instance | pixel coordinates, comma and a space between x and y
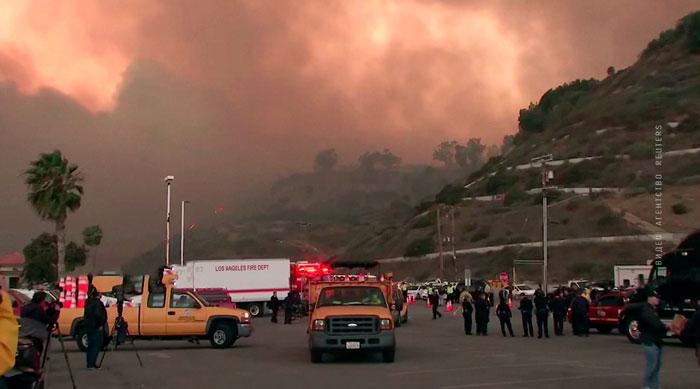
553, 379
414, 372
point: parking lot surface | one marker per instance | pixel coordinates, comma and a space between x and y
430, 354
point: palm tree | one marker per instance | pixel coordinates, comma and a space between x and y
55, 190
92, 236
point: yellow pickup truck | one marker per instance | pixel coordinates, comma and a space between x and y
351, 313
168, 314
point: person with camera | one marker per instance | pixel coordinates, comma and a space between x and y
37, 317
95, 319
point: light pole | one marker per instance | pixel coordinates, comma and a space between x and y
182, 233
168, 180
546, 176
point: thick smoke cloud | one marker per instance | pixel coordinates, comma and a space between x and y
226, 95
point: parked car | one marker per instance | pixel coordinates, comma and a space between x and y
519, 289
18, 300
419, 292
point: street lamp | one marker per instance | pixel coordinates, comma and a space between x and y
168, 180
182, 233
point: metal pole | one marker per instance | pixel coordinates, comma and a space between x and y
439, 231
167, 231
544, 227
454, 249
182, 233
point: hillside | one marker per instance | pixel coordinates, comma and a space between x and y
626, 123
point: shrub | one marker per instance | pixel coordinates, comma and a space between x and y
608, 219
420, 246
532, 119
469, 227
571, 206
425, 221
639, 151
679, 208
515, 195
500, 183
451, 194
481, 235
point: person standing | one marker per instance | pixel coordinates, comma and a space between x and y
95, 319
542, 313
434, 301
467, 308
556, 305
504, 314
288, 307
653, 331
579, 315
525, 309
274, 306
481, 314
692, 330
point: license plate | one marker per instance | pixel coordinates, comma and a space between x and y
352, 345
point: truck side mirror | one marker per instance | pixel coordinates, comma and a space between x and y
311, 306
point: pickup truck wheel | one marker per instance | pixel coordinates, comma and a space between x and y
223, 335
388, 355
81, 339
632, 331
316, 356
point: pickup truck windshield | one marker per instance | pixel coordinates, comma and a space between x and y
352, 295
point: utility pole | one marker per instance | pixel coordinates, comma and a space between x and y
168, 180
454, 249
546, 176
182, 233
439, 231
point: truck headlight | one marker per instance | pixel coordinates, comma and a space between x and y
319, 325
386, 324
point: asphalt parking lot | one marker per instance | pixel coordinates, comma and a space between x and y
430, 354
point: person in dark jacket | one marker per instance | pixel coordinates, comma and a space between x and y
434, 302
39, 310
467, 308
95, 320
481, 314
653, 331
579, 315
288, 307
692, 331
556, 305
504, 314
274, 306
542, 313
525, 309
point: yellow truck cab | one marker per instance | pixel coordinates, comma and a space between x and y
168, 314
351, 313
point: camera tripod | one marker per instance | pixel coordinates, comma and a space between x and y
115, 341
41, 381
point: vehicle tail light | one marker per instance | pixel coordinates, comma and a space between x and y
246, 317
319, 325
386, 324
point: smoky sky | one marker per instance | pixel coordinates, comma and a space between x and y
227, 95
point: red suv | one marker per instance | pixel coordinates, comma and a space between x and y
604, 313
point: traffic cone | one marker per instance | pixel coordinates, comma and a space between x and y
427, 303
510, 302
449, 306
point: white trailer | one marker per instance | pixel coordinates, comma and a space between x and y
248, 282
626, 276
